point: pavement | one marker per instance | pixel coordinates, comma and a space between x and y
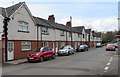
15, 62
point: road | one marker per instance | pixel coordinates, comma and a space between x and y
96, 61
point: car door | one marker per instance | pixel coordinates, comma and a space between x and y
45, 52
50, 52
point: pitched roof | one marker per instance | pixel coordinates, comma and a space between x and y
40, 22
78, 28
96, 34
88, 31
1, 9
46, 23
10, 10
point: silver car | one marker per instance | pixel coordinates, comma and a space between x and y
66, 50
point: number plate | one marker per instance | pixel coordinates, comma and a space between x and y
31, 58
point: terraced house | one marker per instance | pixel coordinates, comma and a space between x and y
27, 32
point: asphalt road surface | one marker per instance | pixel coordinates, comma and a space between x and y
96, 61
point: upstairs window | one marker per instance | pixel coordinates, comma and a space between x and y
23, 26
45, 31
62, 33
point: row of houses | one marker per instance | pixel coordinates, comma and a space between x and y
27, 32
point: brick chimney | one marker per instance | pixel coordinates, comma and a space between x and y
68, 24
51, 18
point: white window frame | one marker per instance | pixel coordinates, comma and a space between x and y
24, 43
45, 30
62, 33
23, 26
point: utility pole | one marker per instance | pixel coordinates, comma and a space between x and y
5, 22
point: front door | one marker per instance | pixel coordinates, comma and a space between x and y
10, 53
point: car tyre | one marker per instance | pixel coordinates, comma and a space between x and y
41, 59
53, 56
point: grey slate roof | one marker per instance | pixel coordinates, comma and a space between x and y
10, 10
40, 22
78, 28
46, 23
96, 34
88, 31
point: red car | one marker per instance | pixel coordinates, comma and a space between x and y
40, 54
110, 47
116, 45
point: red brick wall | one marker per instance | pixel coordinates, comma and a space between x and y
18, 53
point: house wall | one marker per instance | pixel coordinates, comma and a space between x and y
1, 26
21, 15
17, 37
18, 53
58, 37
50, 36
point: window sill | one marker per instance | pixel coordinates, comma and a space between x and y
62, 35
23, 31
26, 50
45, 33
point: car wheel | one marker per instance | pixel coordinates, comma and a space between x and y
41, 59
69, 53
53, 56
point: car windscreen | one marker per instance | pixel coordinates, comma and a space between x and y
110, 45
81, 45
37, 50
64, 47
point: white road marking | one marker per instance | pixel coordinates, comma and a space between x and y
108, 63
106, 68
110, 60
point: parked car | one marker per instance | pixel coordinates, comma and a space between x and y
98, 45
82, 48
110, 47
66, 50
116, 45
40, 54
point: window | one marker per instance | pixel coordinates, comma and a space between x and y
44, 43
23, 26
45, 31
26, 45
46, 49
62, 33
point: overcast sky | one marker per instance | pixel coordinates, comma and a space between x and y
99, 15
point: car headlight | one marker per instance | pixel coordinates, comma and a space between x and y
37, 54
